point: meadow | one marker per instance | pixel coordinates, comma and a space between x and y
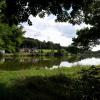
77, 82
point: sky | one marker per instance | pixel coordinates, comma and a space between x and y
47, 29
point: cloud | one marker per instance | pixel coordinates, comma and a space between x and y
47, 29
96, 48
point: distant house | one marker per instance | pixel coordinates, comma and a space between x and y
28, 50
2, 51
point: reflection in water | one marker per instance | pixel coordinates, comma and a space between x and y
64, 63
2, 60
87, 61
43, 62
28, 62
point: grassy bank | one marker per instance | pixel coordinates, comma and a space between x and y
8, 77
38, 52
79, 83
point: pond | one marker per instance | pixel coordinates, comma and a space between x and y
16, 63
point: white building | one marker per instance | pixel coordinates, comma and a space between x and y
2, 51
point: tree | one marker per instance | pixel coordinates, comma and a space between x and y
89, 37
34, 43
20, 10
87, 11
81, 11
10, 37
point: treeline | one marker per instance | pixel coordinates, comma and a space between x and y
35, 43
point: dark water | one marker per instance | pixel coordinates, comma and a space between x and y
18, 63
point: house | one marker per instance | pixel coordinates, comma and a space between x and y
28, 50
2, 51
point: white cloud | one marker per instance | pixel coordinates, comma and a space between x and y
47, 29
96, 48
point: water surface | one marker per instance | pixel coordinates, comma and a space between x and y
16, 63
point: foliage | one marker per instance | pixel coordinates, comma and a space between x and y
73, 11
74, 49
34, 43
20, 10
10, 37
89, 37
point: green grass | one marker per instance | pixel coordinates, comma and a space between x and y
73, 83
48, 50
8, 77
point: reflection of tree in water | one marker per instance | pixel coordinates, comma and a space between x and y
72, 58
18, 63
28, 62
48, 63
2, 60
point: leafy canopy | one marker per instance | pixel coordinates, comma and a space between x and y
10, 37
87, 11
88, 37
20, 10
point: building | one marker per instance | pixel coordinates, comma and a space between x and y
2, 51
